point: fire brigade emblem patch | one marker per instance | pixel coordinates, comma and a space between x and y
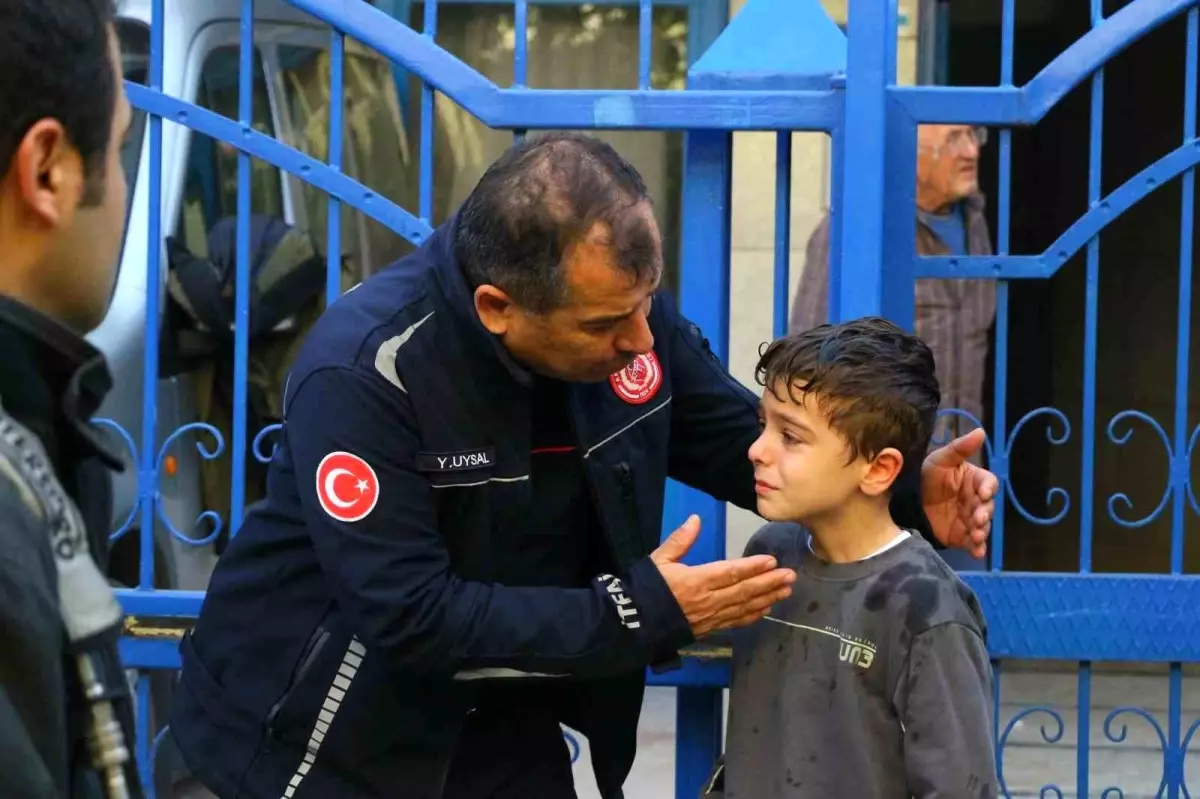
639, 381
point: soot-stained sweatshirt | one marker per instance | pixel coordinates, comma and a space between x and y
871, 681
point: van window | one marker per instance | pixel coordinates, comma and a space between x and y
374, 149
210, 191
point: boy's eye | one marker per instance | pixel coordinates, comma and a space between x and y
790, 439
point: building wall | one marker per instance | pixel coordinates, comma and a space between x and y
753, 230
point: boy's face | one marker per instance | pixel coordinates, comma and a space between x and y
801, 472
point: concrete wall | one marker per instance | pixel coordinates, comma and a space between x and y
753, 230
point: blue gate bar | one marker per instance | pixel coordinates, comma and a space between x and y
860, 289
333, 214
521, 45
1180, 460
1087, 496
837, 162
147, 471
520, 53
998, 460
645, 43
998, 453
704, 299
241, 330
783, 228
425, 174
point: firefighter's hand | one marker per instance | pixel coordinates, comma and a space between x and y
723, 594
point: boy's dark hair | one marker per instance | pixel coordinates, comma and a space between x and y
543, 195
875, 383
55, 62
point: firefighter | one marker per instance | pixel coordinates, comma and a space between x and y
460, 545
65, 711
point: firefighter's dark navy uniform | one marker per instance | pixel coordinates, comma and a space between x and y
453, 556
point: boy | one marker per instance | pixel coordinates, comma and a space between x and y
872, 680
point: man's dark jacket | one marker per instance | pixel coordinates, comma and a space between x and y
51, 382
337, 658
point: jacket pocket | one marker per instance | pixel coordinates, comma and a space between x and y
308, 657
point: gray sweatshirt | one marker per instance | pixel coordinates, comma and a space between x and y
871, 682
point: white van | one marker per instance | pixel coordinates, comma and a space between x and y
199, 187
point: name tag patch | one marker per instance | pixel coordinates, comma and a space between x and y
448, 462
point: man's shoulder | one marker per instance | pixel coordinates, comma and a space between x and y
920, 591
385, 304
356, 332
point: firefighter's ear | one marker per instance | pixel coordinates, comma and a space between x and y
495, 308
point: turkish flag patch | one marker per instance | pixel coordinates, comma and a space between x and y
639, 381
346, 486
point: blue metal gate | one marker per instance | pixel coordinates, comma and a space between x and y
782, 66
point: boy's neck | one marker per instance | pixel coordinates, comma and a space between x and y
854, 533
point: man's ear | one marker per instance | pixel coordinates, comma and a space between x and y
48, 173
495, 309
882, 472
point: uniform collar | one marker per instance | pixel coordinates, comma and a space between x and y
52, 380
462, 302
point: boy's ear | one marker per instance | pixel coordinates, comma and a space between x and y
882, 472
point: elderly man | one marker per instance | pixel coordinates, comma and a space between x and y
460, 546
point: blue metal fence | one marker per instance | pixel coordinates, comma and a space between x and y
780, 66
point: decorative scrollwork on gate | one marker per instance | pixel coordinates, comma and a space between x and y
1184, 745
1001, 465
1175, 461
1054, 491
123, 434
944, 434
1120, 439
208, 454
1114, 792
1049, 737
256, 446
1191, 490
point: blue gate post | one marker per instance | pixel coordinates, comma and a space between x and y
703, 298
871, 68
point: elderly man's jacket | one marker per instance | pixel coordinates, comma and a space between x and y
356, 617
